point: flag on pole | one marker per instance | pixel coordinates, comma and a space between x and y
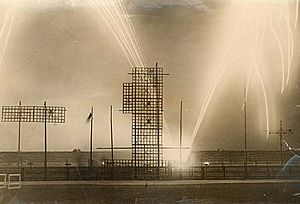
90, 115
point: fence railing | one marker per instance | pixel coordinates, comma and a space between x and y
124, 172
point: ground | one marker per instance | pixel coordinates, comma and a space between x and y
183, 191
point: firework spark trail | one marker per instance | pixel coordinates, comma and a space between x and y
130, 25
275, 34
289, 39
256, 53
6, 18
284, 13
115, 16
256, 57
280, 16
126, 34
103, 13
216, 80
266, 103
258, 39
8, 34
263, 36
247, 89
256, 70
117, 30
296, 14
264, 93
250, 76
104, 16
282, 59
132, 35
219, 72
136, 39
213, 85
124, 25
221, 69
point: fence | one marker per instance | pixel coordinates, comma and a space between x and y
167, 172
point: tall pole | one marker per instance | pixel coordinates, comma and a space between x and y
91, 138
280, 142
45, 159
158, 120
180, 133
112, 140
281, 132
19, 136
180, 139
133, 125
245, 126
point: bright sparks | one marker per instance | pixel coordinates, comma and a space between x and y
253, 30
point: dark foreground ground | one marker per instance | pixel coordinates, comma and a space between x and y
252, 191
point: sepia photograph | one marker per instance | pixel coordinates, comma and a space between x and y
149, 101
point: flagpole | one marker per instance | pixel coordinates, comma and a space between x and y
112, 140
91, 138
245, 130
19, 136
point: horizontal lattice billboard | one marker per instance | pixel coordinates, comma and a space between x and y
50, 114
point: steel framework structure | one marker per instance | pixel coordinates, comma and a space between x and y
143, 98
45, 114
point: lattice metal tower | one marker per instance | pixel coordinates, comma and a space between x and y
143, 98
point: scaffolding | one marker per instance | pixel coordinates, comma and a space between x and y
143, 98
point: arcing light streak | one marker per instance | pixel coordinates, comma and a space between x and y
117, 31
258, 14
216, 80
223, 64
282, 58
8, 15
296, 14
128, 57
133, 33
266, 103
116, 18
8, 35
129, 35
246, 89
284, 13
258, 66
6, 18
289, 39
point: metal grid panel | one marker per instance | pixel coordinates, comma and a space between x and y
33, 114
145, 98
127, 98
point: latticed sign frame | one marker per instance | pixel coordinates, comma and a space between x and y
143, 98
50, 114
127, 98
